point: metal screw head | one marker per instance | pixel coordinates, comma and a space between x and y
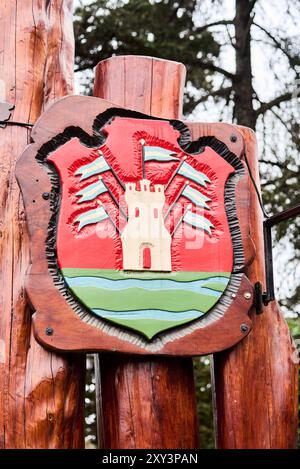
247, 295
49, 331
46, 195
233, 138
244, 328
233, 295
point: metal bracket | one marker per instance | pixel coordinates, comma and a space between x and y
5, 113
269, 294
258, 298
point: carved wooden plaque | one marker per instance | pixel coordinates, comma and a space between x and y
139, 235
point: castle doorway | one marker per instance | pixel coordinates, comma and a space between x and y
146, 258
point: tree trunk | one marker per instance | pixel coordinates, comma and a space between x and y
146, 402
256, 382
244, 113
41, 403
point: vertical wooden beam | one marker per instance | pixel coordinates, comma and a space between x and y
41, 393
146, 402
256, 382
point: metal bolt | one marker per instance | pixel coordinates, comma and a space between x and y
233, 295
46, 195
233, 138
244, 328
247, 295
49, 331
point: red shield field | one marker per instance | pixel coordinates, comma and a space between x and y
143, 239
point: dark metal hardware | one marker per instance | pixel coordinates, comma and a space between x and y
5, 113
269, 294
258, 298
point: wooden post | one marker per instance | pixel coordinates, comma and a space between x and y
41, 403
146, 402
256, 382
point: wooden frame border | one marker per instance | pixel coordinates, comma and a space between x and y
65, 330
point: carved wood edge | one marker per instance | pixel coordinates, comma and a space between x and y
45, 296
233, 137
219, 335
49, 125
249, 151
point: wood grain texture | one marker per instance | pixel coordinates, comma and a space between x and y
256, 382
41, 403
146, 382
148, 403
227, 133
144, 84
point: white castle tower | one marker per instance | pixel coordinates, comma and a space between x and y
146, 242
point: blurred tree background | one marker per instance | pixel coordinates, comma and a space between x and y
243, 66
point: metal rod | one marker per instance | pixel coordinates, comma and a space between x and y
180, 221
269, 294
20, 124
142, 141
282, 216
115, 225
117, 177
109, 217
112, 170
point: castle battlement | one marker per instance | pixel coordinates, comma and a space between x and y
144, 194
144, 186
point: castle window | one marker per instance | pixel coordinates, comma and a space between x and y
147, 258
155, 213
158, 189
137, 212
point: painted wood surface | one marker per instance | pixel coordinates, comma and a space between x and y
80, 158
147, 403
41, 393
256, 382
145, 383
189, 267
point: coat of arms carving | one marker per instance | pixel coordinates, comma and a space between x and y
143, 243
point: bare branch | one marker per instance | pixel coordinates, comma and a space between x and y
273, 163
252, 5
230, 37
215, 23
292, 60
214, 68
220, 93
281, 120
274, 102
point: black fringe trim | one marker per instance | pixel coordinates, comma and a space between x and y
219, 147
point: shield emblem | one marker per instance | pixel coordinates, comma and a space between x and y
145, 224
